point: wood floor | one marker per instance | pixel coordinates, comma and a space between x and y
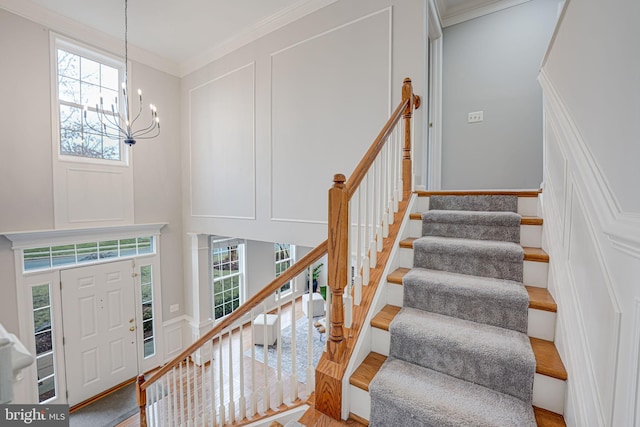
200, 375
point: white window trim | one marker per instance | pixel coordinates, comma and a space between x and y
241, 272
73, 46
292, 260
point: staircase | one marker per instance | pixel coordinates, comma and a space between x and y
466, 335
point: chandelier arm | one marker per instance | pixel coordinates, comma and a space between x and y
150, 128
110, 122
104, 132
149, 136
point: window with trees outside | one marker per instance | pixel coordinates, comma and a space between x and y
284, 253
86, 79
227, 267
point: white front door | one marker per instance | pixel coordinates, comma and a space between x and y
98, 312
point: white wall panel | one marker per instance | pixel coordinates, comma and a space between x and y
594, 262
317, 86
597, 303
95, 195
222, 144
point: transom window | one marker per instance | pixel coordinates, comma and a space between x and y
284, 253
48, 257
227, 267
86, 79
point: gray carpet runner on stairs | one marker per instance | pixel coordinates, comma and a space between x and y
459, 353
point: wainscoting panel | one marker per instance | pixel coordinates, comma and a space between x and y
594, 265
222, 146
96, 195
174, 333
353, 60
598, 305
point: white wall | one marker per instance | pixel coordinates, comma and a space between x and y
591, 207
26, 177
267, 126
490, 64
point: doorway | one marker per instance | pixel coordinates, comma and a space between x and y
100, 338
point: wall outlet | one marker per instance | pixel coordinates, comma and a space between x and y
173, 308
475, 117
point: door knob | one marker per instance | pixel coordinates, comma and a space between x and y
133, 328
131, 320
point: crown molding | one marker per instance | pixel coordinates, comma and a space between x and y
272, 23
468, 12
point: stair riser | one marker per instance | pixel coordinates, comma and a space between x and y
530, 235
534, 272
548, 393
527, 206
541, 324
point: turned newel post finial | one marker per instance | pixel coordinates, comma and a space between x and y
339, 180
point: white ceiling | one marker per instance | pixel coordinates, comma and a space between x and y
185, 34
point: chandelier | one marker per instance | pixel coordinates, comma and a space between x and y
117, 121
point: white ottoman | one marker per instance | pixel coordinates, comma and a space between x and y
317, 304
272, 322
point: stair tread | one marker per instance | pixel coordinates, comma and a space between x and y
383, 318
541, 299
526, 220
545, 418
519, 193
429, 395
535, 254
368, 369
407, 243
397, 275
530, 254
548, 361
370, 366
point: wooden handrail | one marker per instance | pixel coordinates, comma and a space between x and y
363, 167
404, 109
287, 275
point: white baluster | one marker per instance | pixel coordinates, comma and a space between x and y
166, 417
173, 396
267, 390
196, 411
357, 284
189, 402
212, 386
182, 405
294, 370
232, 406
279, 393
254, 395
221, 409
310, 368
243, 401
385, 191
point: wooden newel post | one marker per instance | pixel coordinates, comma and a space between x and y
338, 258
407, 94
141, 398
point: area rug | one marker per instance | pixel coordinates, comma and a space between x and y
108, 411
302, 362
